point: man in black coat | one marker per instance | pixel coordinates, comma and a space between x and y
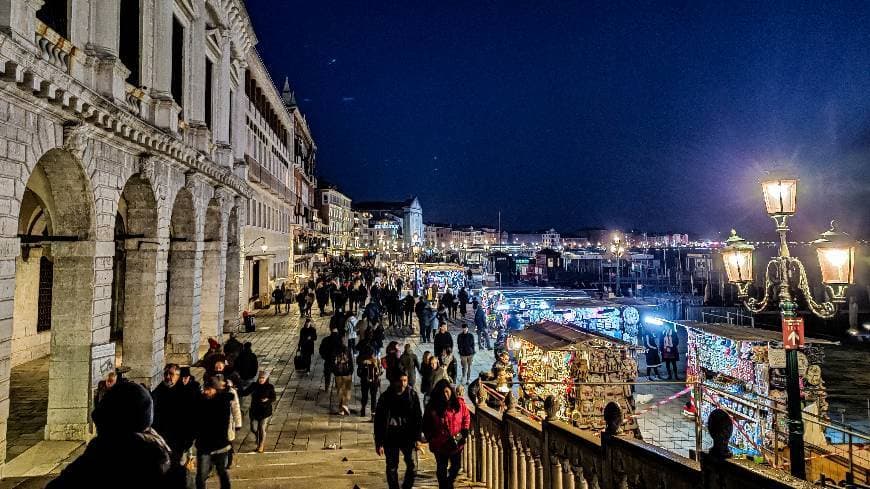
169, 420
443, 340
398, 429
465, 344
126, 452
211, 429
328, 347
247, 365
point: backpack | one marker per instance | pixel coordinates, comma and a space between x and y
342, 364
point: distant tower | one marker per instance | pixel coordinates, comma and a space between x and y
288, 97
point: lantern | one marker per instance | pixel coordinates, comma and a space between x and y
780, 196
836, 253
737, 256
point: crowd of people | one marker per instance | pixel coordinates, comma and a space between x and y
183, 430
180, 432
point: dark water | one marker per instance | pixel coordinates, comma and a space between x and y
846, 373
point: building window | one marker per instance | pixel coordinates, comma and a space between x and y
55, 14
128, 43
177, 61
209, 66
43, 304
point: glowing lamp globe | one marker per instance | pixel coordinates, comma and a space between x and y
836, 253
780, 196
737, 256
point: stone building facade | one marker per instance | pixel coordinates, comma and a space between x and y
337, 216
122, 189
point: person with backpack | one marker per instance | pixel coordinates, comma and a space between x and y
262, 394
246, 365
369, 372
342, 368
307, 337
398, 429
409, 363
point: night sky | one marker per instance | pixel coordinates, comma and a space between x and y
569, 115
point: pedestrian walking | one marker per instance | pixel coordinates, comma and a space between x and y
247, 365
409, 364
307, 338
328, 348
212, 426
232, 348
446, 425
482, 329
351, 331
123, 422
422, 320
443, 340
168, 405
262, 394
321, 293
369, 372
652, 354
397, 430
463, 301
439, 373
301, 301
278, 299
342, 368
408, 311
465, 345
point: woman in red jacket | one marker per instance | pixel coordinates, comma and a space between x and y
446, 424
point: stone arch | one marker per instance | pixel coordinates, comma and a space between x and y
183, 279
54, 301
135, 311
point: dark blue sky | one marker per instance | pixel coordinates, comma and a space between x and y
569, 114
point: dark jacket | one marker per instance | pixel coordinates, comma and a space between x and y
212, 422
246, 365
480, 319
262, 398
442, 342
398, 419
168, 404
408, 303
465, 344
307, 337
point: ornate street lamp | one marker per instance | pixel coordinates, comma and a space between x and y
784, 278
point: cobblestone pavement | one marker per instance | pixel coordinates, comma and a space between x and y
28, 406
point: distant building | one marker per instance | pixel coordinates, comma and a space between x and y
407, 214
337, 216
551, 239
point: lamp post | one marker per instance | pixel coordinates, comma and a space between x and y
784, 278
617, 248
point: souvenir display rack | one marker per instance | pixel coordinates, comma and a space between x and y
583, 370
743, 370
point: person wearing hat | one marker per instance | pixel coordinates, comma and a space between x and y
126, 452
262, 394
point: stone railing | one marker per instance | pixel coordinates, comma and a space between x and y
54, 48
508, 449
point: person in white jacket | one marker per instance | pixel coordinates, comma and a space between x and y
235, 416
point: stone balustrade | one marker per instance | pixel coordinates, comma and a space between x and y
511, 450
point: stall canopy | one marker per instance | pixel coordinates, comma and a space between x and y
743, 333
553, 336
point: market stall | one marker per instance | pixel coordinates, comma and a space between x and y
742, 371
583, 371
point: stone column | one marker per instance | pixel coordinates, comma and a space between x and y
18, 19
104, 28
555, 473
183, 296
493, 462
143, 325
221, 92
499, 467
164, 111
9, 250
73, 307
213, 286
194, 102
484, 473
579, 481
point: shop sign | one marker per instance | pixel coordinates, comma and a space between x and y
793, 333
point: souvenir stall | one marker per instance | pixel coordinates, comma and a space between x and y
443, 275
552, 359
743, 372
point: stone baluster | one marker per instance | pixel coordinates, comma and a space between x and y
539, 472
579, 480
555, 472
513, 461
493, 462
567, 474
521, 465
531, 477
499, 472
